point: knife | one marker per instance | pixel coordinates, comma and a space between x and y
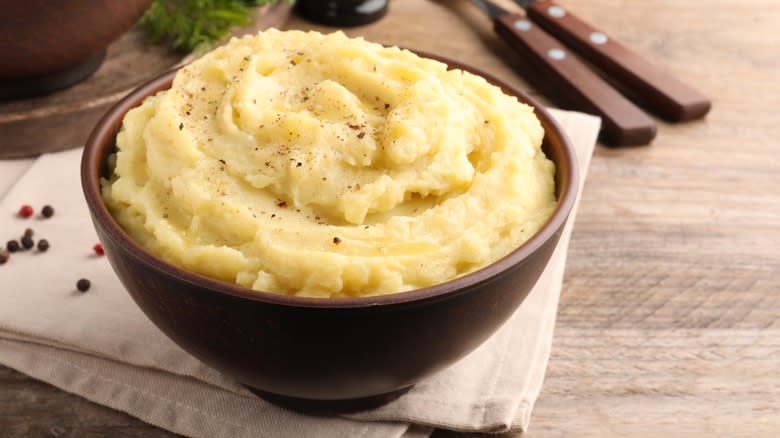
658, 90
622, 122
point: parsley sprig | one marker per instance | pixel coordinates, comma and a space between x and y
187, 25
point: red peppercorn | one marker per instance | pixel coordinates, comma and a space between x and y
98, 248
26, 211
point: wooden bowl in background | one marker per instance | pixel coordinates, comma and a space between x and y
63, 119
46, 46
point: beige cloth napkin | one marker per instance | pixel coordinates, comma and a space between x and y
99, 345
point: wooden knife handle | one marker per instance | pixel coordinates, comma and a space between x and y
660, 91
622, 124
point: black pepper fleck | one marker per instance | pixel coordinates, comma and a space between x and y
83, 285
336, 240
181, 126
299, 164
361, 135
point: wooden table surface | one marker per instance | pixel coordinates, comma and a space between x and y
669, 322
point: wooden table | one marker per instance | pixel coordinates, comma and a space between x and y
669, 323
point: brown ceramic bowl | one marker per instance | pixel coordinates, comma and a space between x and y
311, 353
47, 45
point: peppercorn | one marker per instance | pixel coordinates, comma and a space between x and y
25, 211
4, 256
29, 232
98, 248
12, 246
47, 211
83, 285
27, 242
43, 245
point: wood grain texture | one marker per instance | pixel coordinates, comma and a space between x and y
669, 322
622, 122
659, 91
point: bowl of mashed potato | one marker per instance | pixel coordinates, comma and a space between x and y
325, 219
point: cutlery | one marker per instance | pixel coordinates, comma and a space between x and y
623, 123
658, 90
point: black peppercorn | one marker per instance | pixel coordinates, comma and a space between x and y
12, 246
27, 242
43, 245
4, 256
29, 232
83, 285
47, 211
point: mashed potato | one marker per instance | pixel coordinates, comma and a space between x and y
319, 165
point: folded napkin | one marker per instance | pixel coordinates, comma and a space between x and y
99, 345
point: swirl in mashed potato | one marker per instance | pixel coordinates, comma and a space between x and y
319, 165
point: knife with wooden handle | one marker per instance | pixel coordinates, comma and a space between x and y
623, 123
659, 91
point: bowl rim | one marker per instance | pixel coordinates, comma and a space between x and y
103, 137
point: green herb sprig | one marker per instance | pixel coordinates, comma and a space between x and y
188, 25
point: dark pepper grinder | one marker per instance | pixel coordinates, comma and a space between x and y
341, 13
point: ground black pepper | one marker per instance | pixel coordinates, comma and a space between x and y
336, 240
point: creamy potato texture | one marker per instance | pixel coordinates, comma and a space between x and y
319, 165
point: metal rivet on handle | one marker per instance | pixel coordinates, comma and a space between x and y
556, 11
522, 25
598, 38
556, 54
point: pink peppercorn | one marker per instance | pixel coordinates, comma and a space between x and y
26, 211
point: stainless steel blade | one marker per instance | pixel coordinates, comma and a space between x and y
525, 3
491, 9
